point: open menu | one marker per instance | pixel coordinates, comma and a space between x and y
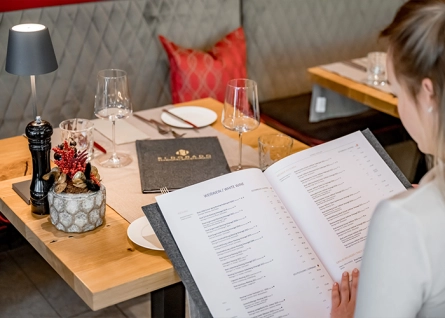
271, 244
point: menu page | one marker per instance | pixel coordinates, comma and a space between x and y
331, 190
245, 252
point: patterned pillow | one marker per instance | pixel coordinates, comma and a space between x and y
196, 74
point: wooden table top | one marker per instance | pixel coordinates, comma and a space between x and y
102, 266
377, 99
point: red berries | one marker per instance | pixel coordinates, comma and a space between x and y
69, 160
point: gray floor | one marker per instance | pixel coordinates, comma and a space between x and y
29, 287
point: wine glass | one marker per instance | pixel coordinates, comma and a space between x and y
112, 102
241, 112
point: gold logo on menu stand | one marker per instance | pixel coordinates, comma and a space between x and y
182, 155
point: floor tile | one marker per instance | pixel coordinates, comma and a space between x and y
139, 307
55, 290
19, 297
109, 312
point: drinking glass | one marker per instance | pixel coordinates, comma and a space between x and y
113, 102
273, 148
376, 68
241, 112
78, 131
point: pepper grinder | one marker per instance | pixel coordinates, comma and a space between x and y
39, 134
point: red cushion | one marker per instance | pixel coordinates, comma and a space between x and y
196, 74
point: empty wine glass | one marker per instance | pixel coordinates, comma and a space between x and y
241, 112
113, 102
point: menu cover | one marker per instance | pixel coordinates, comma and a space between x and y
178, 163
209, 246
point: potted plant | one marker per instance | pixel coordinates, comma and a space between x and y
76, 198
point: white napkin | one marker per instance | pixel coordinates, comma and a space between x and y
125, 132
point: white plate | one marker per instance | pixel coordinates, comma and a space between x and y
142, 234
199, 116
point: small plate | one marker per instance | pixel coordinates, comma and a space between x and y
199, 116
142, 234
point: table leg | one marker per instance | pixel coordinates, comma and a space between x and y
168, 302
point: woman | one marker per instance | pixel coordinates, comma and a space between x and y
403, 269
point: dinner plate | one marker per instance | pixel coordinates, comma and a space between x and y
199, 116
142, 234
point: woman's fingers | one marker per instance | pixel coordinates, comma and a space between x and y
344, 296
343, 293
354, 284
335, 295
344, 287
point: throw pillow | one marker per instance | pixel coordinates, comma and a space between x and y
197, 74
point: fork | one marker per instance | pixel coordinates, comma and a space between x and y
167, 128
150, 121
164, 190
162, 128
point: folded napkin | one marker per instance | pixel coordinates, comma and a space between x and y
125, 132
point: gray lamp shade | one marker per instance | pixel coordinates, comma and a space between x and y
30, 50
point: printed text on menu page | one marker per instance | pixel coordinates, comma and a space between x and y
246, 254
332, 190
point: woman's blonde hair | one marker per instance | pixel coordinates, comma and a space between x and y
416, 40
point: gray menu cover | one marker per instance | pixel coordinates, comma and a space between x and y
178, 163
382, 152
22, 189
157, 221
160, 227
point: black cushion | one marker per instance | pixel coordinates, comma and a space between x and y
292, 114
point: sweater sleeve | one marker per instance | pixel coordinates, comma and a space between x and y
395, 271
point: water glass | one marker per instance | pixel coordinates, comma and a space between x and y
241, 112
273, 148
80, 132
113, 102
376, 68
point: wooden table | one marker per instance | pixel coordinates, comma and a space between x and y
360, 92
102, 266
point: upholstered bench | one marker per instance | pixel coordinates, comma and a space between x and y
291, 115
283, 39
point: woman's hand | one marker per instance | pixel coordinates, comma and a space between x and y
344, 297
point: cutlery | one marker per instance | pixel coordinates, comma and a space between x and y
164, 190
355, 65
180, 118
166, 128
162, 128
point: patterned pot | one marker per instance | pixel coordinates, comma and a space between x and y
77, 213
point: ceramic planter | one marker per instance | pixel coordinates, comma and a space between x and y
77, 213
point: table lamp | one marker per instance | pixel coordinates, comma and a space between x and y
30, 52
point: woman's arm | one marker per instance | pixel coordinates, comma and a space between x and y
395, 271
